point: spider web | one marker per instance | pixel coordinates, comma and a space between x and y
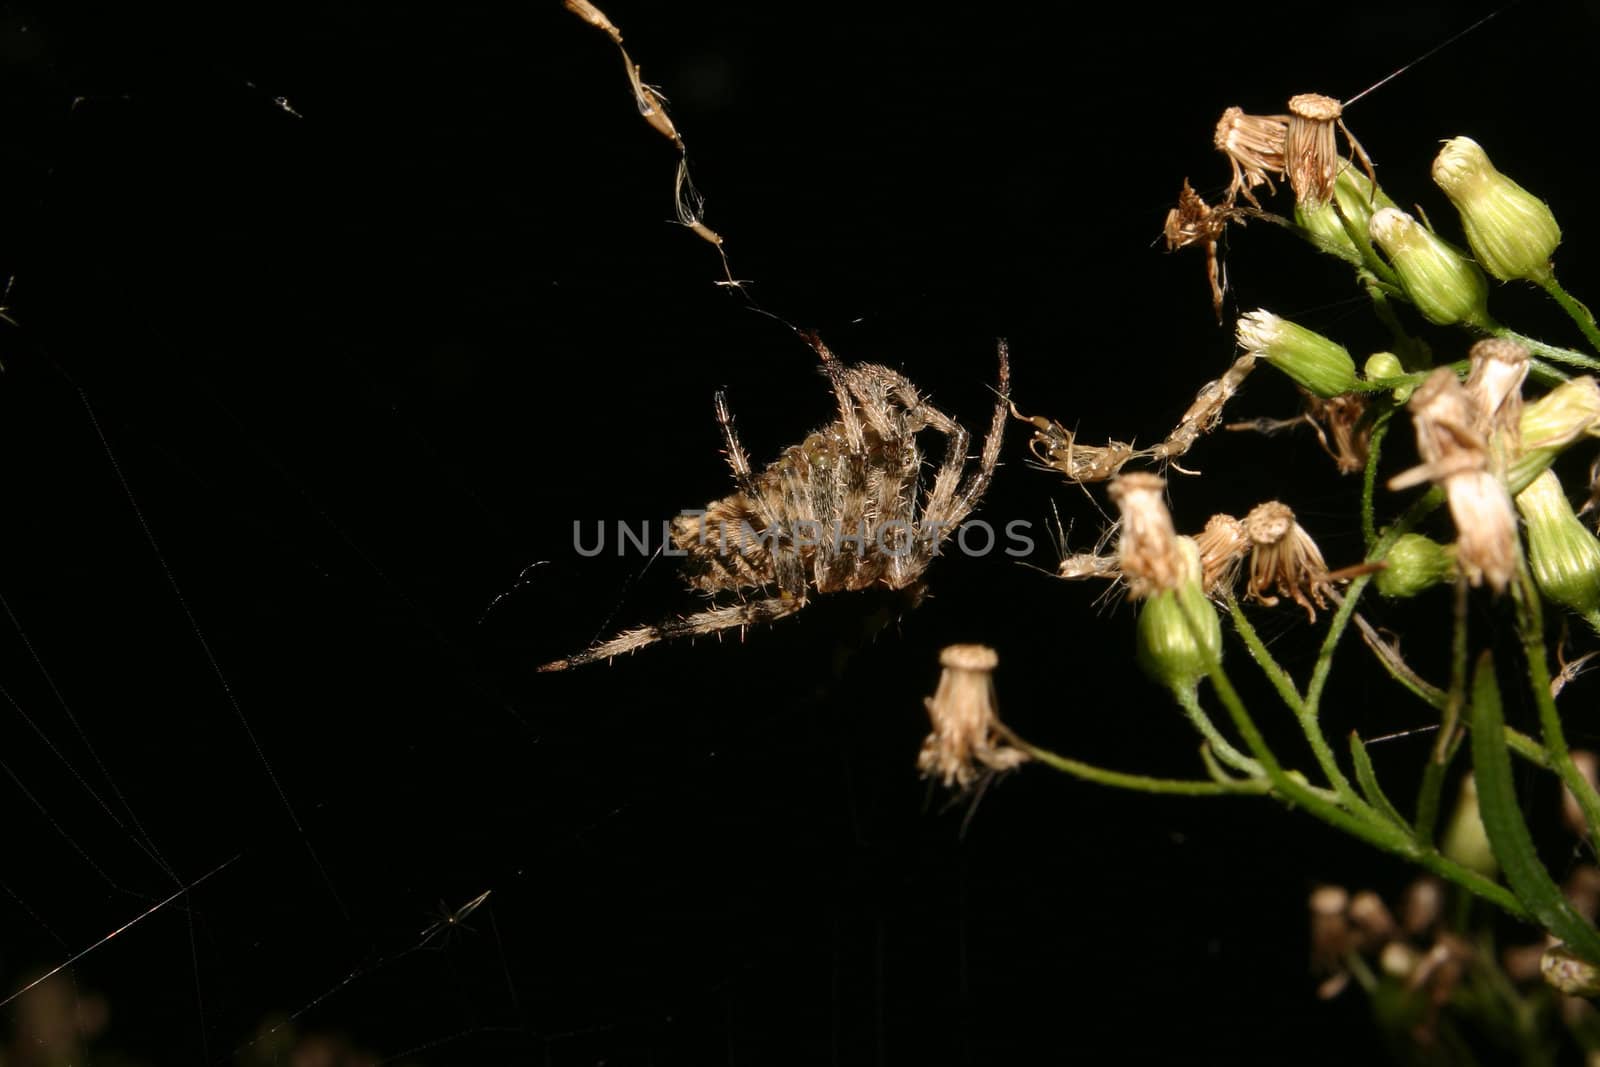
321, 321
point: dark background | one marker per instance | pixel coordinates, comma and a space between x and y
294, 396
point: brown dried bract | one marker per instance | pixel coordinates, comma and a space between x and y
1205, 414
1494, 387
1285, 558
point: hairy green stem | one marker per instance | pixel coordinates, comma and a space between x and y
1189, 699
1530, 627
1575, 308
1143, 783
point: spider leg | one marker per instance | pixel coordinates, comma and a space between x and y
786, 561
711, 621
967, 497
839, 378
1361, 154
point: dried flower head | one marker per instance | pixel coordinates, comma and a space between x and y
1494, 386
1223, 545
1511, 232
1445, 285
1147, 549
1320, 365
1455, 456
1254, 145
1310, 154
967, 732
1332, 939
1284, 557
1341, 428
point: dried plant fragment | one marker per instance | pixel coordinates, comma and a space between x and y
1147, 550
1285, 558
1205, 414
1057, 447
653, 108
1223, 546
1254, 145
1193, 222
967, 732
1494, 386
1455, 456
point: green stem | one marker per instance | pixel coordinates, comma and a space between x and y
1575, 308
1258, 651
1369, 478
1143, 783
1530, 627
1189, 699
1569, 356
1376, 830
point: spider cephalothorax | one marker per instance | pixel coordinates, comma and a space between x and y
842, 510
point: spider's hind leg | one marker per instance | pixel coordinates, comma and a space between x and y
711, 621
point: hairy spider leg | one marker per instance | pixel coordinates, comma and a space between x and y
972, 491
714, 620
786, 562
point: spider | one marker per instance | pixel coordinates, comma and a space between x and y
448, 920
842, 510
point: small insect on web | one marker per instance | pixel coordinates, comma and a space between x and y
452, 919
841, 510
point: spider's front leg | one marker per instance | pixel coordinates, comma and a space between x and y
950, 509
712, 621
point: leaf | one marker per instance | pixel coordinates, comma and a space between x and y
1367, 779
1508, 832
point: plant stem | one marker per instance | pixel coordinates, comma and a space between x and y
1575, 308
1569, 356
1530, 627
1369, 478
1189, 699
1143, 783
1376, 830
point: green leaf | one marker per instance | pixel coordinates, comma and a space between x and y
1508, 832
1367, 779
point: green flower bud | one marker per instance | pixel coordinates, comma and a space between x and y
1415, 563
1387, 365
1563, 555
1465, 839
1180, 637
1512, 232
1553, 423
1356, 200
1321, 365
1446, 286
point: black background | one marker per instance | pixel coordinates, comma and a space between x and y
361, 363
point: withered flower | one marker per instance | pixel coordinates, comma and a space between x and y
1223, 545
966, 727
1455, 455
1310, 154
1254, 145
1494, 385
1147, 549
1284, 557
